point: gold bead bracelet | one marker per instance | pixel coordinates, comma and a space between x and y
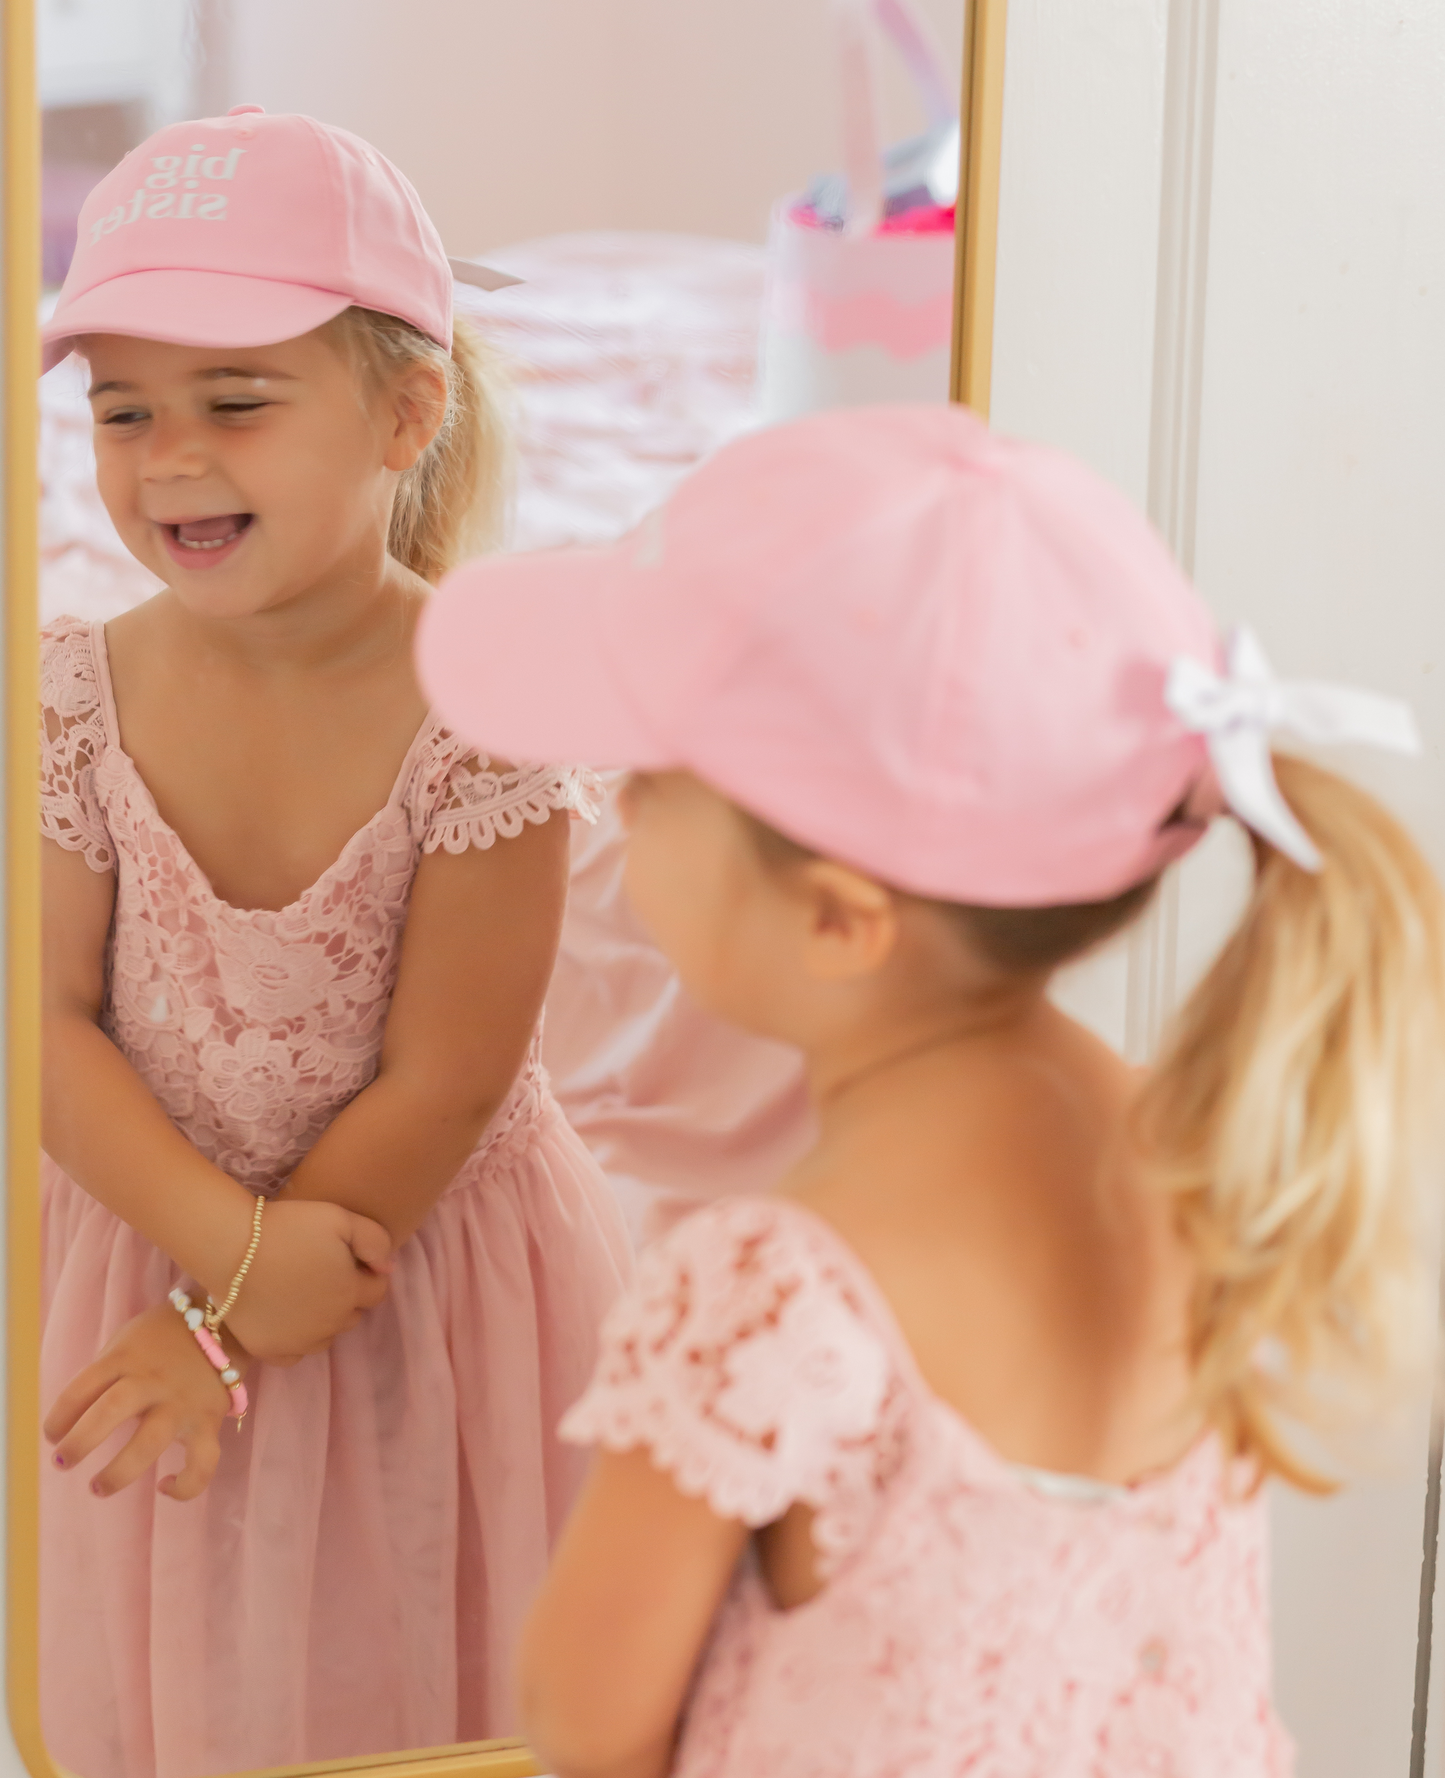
215, 1316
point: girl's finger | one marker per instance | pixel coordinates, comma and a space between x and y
123, 1401
150, 1440
79, 1393
371, 1244
203, 1453
370, 1289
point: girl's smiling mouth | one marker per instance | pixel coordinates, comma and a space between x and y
204, 543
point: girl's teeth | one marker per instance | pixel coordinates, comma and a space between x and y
212, 533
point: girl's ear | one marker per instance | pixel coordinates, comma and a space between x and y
419, 404
852, 922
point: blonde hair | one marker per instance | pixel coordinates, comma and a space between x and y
453, 502
1287, 1117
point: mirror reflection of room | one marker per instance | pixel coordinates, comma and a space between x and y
306, 1133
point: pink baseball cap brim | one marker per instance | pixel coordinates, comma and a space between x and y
472, 629
190, 308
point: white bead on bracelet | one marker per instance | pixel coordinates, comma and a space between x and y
195, 1319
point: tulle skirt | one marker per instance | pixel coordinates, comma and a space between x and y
354, 1579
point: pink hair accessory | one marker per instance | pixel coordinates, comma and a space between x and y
195, 1320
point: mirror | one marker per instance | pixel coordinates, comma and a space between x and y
663, 185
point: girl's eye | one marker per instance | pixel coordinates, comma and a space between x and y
239, 407
125, 416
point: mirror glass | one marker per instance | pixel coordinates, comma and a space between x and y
667, 185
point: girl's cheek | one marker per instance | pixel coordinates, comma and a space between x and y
664, 895
645, 878
628, 794
117, 489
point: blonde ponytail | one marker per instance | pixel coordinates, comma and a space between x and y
453, 502
1286, 1116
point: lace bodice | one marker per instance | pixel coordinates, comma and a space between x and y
972, 1621
251, 1027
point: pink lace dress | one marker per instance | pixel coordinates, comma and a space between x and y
977, 1618
353, 1580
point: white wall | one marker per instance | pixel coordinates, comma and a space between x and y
1078, 229
1323, 447
517, 118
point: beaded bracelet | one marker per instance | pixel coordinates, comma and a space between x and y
215, 1316
195, 1319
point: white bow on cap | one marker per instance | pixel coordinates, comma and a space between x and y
1236, 712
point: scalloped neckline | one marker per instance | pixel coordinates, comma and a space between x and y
100, 659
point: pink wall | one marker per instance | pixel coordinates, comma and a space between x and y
517, 118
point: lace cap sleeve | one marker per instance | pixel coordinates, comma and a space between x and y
72, 740
746, 1362
477, 801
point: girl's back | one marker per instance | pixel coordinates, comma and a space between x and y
1035, 1276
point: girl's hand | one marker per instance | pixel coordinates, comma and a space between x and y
317, 1270
153, 1372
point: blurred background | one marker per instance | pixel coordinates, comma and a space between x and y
513, 121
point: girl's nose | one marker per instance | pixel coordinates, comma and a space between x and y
174, 451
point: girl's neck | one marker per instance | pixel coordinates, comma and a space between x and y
364, 608
859, 1071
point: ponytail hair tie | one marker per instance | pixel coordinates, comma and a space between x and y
1236, 711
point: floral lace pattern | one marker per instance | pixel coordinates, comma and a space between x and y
253, 1028
72, 739
970, 1623
690, 1368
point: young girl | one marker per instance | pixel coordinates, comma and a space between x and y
297, 939
946, 1460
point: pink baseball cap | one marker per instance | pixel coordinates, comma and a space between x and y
962, 663
247, 229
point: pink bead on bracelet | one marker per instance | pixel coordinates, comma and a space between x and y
215, 1352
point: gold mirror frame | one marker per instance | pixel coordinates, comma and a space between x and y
977, 234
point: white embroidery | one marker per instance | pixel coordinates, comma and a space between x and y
174, 190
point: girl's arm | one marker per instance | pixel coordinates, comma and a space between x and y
98, 1120
317, 1268
609, 1650
477, 953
